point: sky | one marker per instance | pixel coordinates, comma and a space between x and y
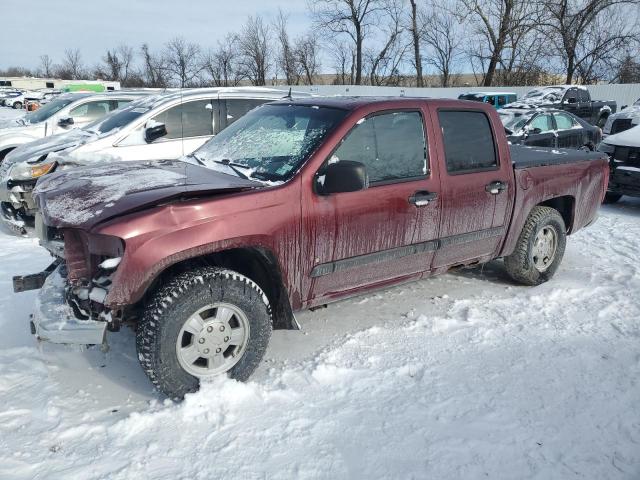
95, 26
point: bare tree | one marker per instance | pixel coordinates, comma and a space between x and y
442, 36
72, 66
287, 62
385, 63
119, 64
588, 31
181, 59
415, 40
46, 65
344, 58
153, 68
353, 18
307, 53
221, 63
254, 50
494, 21
628, 70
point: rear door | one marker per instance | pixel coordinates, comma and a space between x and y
476, 186
569, 131
387, 231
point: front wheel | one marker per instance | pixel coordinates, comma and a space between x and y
202, 324
17, 105
540, 247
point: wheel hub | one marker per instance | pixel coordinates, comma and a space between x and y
544, 248
212, 340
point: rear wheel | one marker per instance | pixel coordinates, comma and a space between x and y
540, 247
601, 121
202, 324
17, 105
610, 197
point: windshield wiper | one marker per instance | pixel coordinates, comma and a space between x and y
233, 166
196, 158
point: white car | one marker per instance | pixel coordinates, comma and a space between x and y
161, 127
65, 112
623, 120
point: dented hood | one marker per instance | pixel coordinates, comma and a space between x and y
84, 197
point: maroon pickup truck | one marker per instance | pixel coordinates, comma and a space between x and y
298, 204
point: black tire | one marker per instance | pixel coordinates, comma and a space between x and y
611, 197
171, 305
17, 105
520, 264
602, 121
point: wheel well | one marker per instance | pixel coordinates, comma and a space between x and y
257, 264
564, 205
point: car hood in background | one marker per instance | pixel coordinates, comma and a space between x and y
33, 151
628, 138
84, 197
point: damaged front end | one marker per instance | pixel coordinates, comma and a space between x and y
70, 307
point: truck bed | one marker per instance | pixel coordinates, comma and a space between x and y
529, 157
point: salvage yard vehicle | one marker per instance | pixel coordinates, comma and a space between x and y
624, 153
571, 98
295, 205
624, 120
497, 99
549, 128
68, 111
11, 98
159, 127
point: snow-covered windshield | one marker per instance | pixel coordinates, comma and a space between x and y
118, 118
514, 121
47, 110
549, 94
271, 142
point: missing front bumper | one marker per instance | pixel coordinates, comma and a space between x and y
54, 320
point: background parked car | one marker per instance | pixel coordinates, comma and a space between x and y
11, 98
65, 112
497, 99
571, 98
159, 127
549, 128
624, 162
623, 120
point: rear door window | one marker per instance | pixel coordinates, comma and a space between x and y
468, 141
564, 121
391, 145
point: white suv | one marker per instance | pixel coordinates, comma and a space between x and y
65, 112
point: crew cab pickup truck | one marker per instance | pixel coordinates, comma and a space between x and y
571, 98
295, 205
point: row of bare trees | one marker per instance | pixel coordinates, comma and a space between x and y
393, 42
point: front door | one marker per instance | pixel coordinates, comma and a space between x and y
475, 188
385, 232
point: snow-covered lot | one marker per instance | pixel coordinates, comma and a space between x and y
462, 376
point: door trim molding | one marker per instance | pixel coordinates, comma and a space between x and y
400, 252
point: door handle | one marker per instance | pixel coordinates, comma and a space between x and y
494, 188
422, 198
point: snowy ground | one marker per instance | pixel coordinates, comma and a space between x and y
462, 376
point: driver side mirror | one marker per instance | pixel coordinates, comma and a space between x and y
341, 176
154, 131
572, 100
65, 122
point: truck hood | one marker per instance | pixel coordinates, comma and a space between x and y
84, 197
628, 138
35, 150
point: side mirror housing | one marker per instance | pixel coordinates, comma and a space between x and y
66, 122
341, 176
154, 131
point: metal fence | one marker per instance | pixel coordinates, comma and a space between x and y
623, 94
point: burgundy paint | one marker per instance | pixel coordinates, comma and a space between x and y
303, 230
